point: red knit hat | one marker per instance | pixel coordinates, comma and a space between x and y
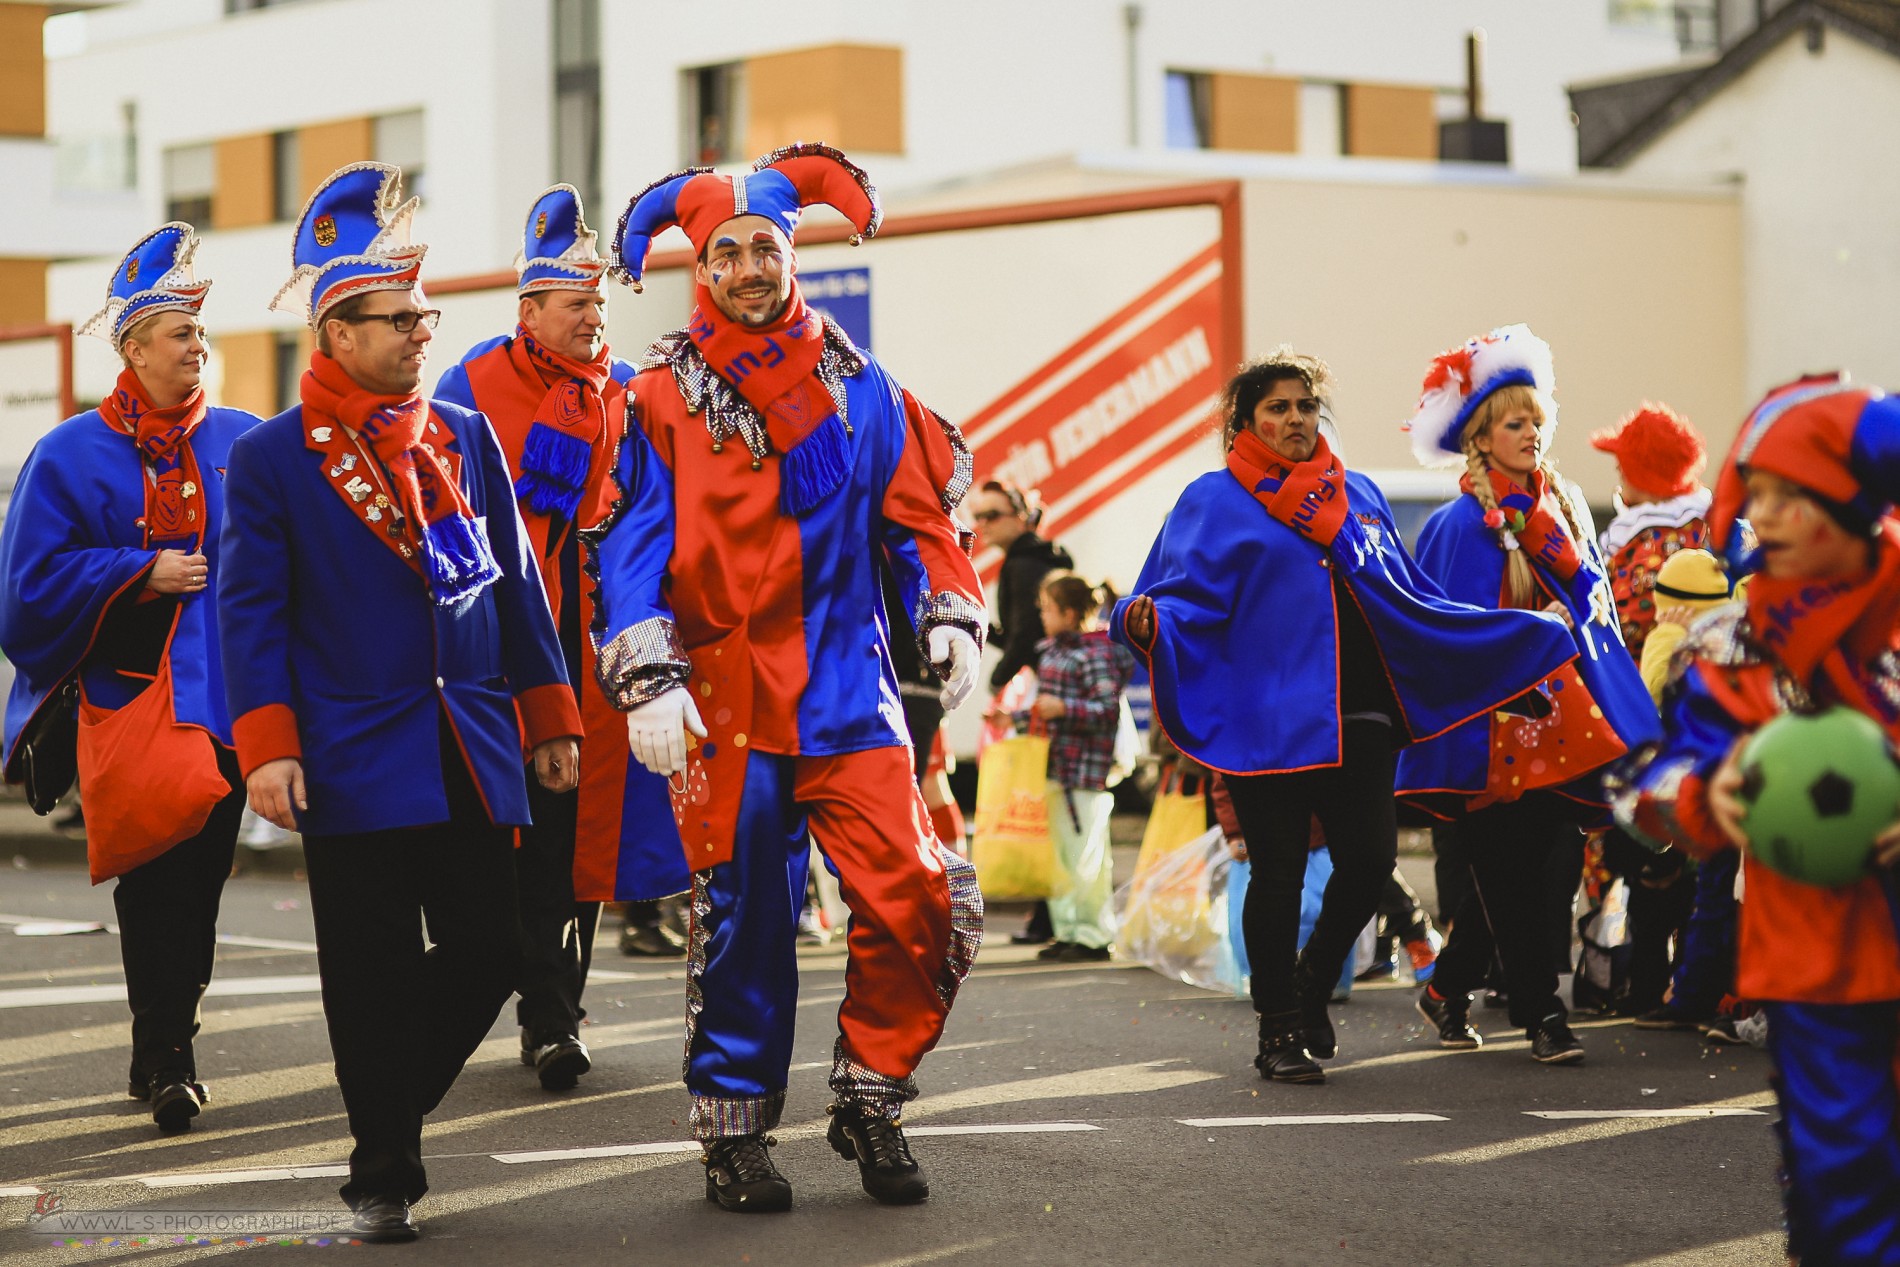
1657, 450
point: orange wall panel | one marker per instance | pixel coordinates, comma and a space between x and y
847, 95
1253, 112
1389, 121
242, 195
22, 292
250, 371
22, 70
324, 147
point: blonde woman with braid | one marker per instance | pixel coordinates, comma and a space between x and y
1517, 537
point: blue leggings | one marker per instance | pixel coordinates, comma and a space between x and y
1838, 1069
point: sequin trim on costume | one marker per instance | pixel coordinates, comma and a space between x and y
718, 1116
867, 1088
966, 921
641, 662
963, 469
951, 609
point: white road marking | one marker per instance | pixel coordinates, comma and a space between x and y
1566, 1115
267, 943
59, 995
1312, 1119
605, 1150
1007, 1128
214, 1178
18, 1190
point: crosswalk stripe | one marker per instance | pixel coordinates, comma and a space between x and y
1312, 1119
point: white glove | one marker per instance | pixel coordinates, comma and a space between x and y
656, 730
953, 655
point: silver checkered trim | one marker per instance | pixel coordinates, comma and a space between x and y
966, 922
867, 1088
641, 662
951, 609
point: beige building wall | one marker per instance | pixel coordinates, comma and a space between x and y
1638, 293
1807, 138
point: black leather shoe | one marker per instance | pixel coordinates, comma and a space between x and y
651, 941
1451, 1017
1052, 951
175, 1101
1076, 952
1552, 1043
139, 1088
383, 1221
886, 1168
1314, 994
1283, 1056
559, 1061
740, 1175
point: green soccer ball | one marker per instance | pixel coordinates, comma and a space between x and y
1818, 788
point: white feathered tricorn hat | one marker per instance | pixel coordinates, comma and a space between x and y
1461, 379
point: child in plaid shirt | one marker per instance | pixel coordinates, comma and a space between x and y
1080, 677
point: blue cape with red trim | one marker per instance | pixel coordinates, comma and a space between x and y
72, 546
1462, 556
1245, 660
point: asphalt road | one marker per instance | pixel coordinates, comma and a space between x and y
1083, 1114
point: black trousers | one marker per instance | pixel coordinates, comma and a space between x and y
168, 936
1353, 802
557, 932
1512, 850
403, 1020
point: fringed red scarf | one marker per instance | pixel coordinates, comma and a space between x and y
174, 494
1803, 620
775, 367
563, 448
1535, 518
1308, 497
429, 522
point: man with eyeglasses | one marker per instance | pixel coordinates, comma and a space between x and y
384, 624
557, 399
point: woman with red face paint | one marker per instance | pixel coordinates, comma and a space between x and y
1518, 537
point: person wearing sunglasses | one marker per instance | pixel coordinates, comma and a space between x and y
392, 656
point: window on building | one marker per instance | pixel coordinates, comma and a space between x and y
397, 139
714, 114
191, 176
286, 187
289, 359
577, 96
1189, 98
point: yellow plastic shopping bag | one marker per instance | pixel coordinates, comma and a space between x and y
1014, 856
1177, 817
1167, 912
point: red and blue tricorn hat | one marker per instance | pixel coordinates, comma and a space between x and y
1838, 441
558, 249
154, 277
779, 187
352, 237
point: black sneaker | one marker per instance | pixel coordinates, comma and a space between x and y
175, 1101
1552, 1043
740, 1175
1317, 1023
877, 1144
1283, 1056
1451, 1018
1667, 1017
559, 1060
651, 941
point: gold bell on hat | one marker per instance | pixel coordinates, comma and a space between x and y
757, 465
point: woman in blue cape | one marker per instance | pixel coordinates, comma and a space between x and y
1517, 538
110, 560
1294, 646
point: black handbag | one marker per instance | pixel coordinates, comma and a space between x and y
49, 748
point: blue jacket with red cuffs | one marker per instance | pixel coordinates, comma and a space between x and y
336, 653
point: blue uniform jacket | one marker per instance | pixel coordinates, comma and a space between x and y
326, 629
1245, 661
73, 547
1463, 557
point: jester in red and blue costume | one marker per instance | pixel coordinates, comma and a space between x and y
392, 661
111, 564
774, 482
1816, 468
557, 398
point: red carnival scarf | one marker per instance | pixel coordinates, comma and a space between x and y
1308, 497
775, 368
1802, 620
429, 522
562, 448
173, 490
1534, 516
